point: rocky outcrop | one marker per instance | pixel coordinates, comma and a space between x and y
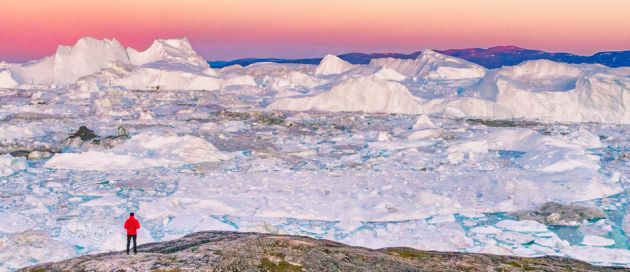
552, 213
86, 138
232, 251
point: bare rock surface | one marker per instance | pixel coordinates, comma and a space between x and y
552, 213
233, 251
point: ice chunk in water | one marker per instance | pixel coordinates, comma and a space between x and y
522, 226
9, 165
592, 240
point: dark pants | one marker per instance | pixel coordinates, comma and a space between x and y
129, 237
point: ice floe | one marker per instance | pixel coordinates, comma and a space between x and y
142, 151
10, 165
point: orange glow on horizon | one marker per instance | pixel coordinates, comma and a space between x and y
227, 29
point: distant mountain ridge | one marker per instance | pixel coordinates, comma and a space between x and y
493, 57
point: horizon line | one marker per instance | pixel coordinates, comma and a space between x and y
409, 52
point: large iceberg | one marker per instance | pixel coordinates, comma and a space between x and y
432, 65
69, 63
169, 64
367, 94
333, 65
165, 51
535, 90
6, 79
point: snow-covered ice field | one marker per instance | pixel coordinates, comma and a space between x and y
434, 153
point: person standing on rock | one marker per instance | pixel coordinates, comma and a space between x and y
132, 225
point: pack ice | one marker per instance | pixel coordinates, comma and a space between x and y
434, 153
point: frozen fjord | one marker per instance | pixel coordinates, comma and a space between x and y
428, 166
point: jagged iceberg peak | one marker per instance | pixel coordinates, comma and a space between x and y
94, 42
423, 122
6, 79
434, 65
90, 50
429, 52
86, 57
89, 56
333, 65
434, 58
71, 62
173, 51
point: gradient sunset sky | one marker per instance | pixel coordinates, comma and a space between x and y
228, 29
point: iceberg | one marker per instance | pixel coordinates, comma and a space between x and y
333, 65
366, 94
7, 80
142, 151
593, 240
171, 64
432, 65
9, 165
168, 51
535, 90
69, 63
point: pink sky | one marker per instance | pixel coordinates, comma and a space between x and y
228, 29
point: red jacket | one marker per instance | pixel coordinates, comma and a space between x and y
131, 225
